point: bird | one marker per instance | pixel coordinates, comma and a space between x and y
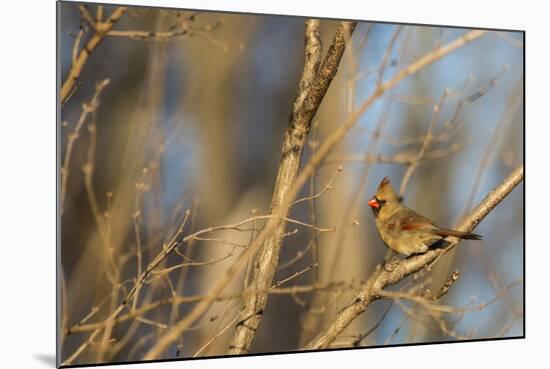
404, 230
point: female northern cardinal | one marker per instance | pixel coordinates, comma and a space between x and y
402, 229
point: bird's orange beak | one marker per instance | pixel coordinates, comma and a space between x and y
373, 203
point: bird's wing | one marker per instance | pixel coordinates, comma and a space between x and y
408, 220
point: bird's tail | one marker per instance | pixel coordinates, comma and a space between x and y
459, 234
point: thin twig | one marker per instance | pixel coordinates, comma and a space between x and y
87, 109
217, 334
101, 30
297, 274
361, 337
425, 144
178, 300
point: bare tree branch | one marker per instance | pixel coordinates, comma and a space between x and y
178, 300
314, 84
101, 30
87, 109
393, 273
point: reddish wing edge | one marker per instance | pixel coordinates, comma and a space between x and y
413, 226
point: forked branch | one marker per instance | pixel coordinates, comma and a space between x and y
315, 81
100, 31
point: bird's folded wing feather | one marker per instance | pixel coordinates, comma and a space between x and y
409, 220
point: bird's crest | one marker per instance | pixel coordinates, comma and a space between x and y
385, 191
385, 181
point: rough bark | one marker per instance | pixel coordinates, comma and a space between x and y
314, 84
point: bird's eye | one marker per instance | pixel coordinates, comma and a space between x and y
380, 201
